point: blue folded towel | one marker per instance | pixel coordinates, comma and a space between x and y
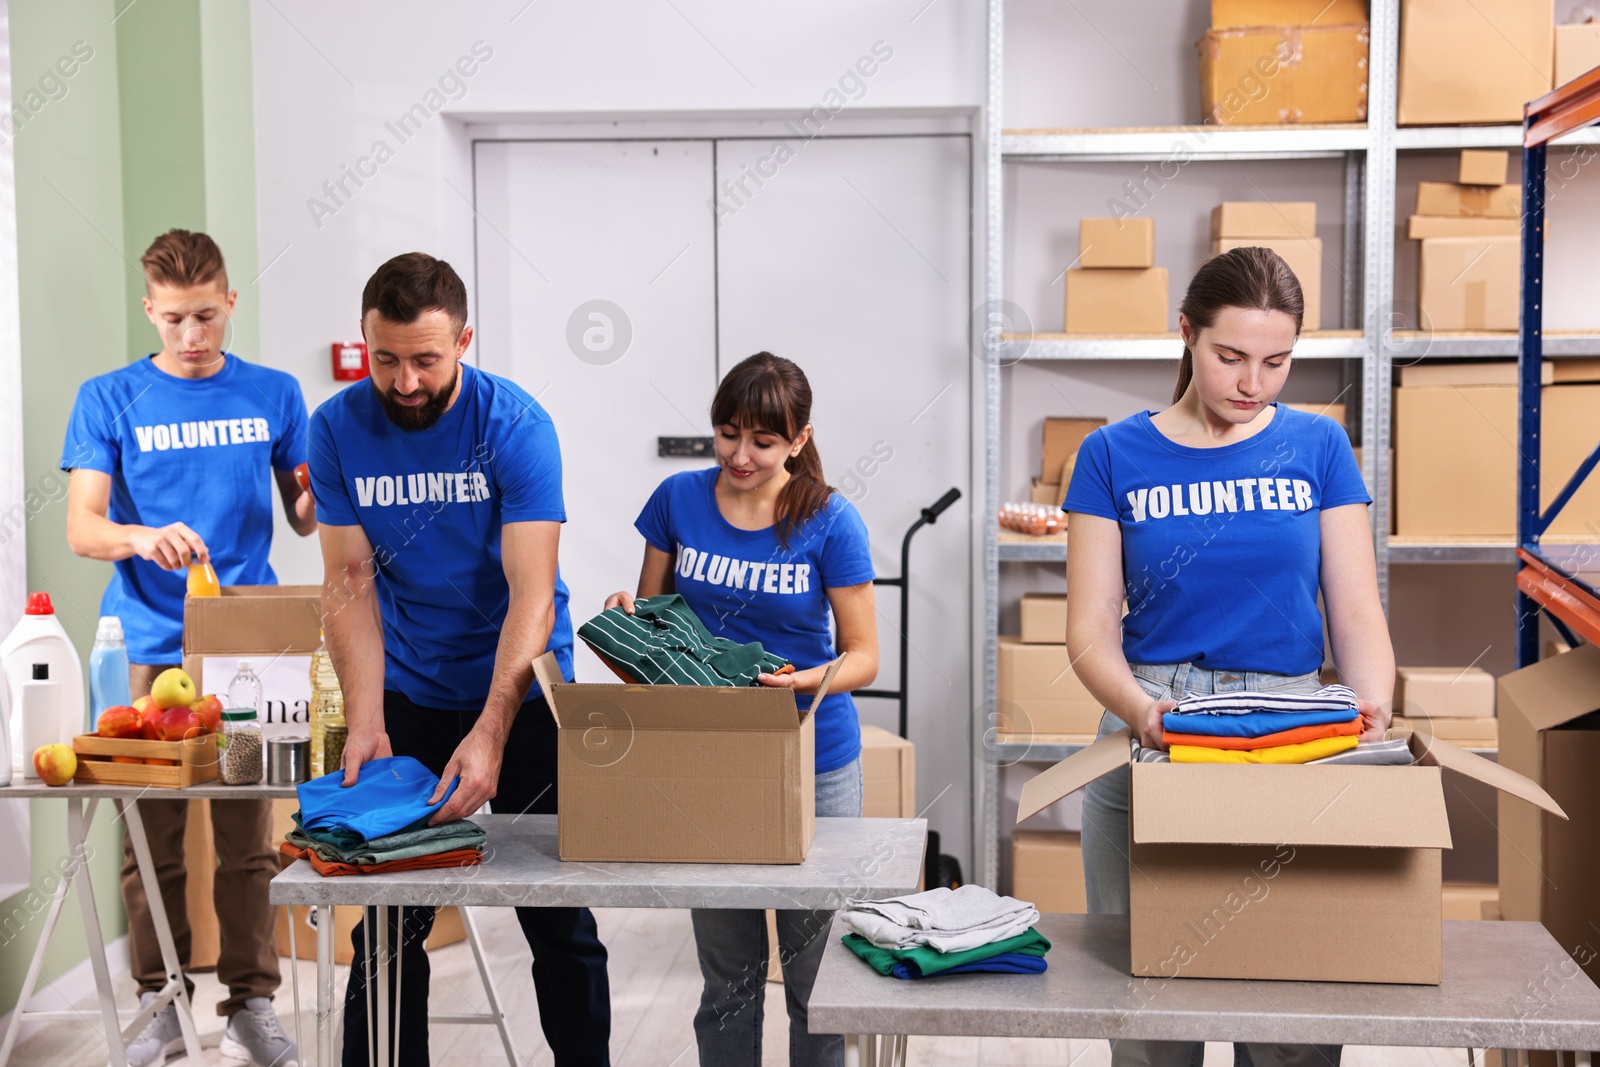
390, 795
1004, 963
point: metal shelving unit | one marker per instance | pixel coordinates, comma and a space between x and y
1370, 155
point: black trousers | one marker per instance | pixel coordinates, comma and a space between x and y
569, 962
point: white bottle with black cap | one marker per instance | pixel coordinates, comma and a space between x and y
40, 710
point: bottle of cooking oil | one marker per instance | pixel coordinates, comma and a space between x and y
328, 727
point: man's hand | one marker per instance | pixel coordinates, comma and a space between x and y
169, 547
360, 748
477, 762
1374, 720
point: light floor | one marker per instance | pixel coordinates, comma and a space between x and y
655, 986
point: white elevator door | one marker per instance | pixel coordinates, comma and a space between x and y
560, 226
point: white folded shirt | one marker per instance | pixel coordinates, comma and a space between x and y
943, 919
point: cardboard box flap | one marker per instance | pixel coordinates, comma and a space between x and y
1073, 773
672, 707
1555, 691
1433, 751
1272, 805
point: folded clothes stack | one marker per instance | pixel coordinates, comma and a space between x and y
945, 931
379, 824
1320, 727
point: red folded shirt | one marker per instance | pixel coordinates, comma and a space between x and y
1282, 737
461, 857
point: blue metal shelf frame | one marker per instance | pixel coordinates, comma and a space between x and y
1571, 107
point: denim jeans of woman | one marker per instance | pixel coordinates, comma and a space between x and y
733, 958
1105, 858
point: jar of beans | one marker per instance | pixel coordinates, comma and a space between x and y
239, 747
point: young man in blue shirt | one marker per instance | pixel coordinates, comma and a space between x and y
438, 490
174, 458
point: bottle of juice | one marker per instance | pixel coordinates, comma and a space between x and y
203, 580
328, 727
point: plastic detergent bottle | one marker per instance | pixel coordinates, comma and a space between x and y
40, 711
108, 670
39, 638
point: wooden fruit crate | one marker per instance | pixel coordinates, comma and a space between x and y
196, 761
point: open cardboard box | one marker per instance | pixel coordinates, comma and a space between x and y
1323, 874
682, 773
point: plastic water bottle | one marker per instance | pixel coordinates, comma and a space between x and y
108, 670
245, 689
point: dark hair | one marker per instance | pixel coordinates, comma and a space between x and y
413, 283
768, 392
180, 257
1256, 279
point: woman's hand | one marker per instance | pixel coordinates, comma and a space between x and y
1148, 729
776, 681
1374, 720
622, 599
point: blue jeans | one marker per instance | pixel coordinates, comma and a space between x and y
733, 958
1105, 857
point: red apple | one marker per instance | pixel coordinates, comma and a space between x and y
148, 714
209, 709
120, 721
55, 763
179, 723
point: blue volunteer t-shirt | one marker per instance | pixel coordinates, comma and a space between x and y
432, 503
746, 587
200, 451
1221, 547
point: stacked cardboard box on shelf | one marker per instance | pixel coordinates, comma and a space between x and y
1059, 449
1289, 229
1267, 63
1118, 289
1456, 448
1467, 61
1454, 704
1577, 49
1470, 272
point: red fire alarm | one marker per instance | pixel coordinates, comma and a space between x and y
349, 361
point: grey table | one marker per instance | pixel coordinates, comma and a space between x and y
848, 858
82, 803
1506, 985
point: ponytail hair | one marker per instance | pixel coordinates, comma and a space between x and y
1256, 279
768, 392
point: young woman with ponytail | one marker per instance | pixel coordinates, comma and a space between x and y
1220, 520
761, 549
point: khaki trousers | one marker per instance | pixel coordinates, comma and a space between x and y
246, 863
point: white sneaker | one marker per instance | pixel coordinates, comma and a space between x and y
158, 1040
254, 1037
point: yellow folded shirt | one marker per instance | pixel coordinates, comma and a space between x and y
1304, 752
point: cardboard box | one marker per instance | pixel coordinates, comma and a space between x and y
1444, 692
1039, 693
1226, 14
1263, 218
1577, 50
1044, 618
1304, 257
1471, 201
1470, 283
276, 627
1573, 371
1483, 166
1463, 733
1047, 870
1465, 61
1336, 412
1117, 301
1127, 242
1550, 732
1420, 226
1267, 75
1043, 492
1468, 900
646, 772
1456, 472
1231, 885
1062, 437
888, 775
1479, 372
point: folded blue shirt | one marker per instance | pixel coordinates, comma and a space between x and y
390, 795
1251, 723
1004, 963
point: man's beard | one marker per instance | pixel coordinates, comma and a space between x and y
420, 416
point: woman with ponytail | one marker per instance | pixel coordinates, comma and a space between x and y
1220, 520
760, 548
